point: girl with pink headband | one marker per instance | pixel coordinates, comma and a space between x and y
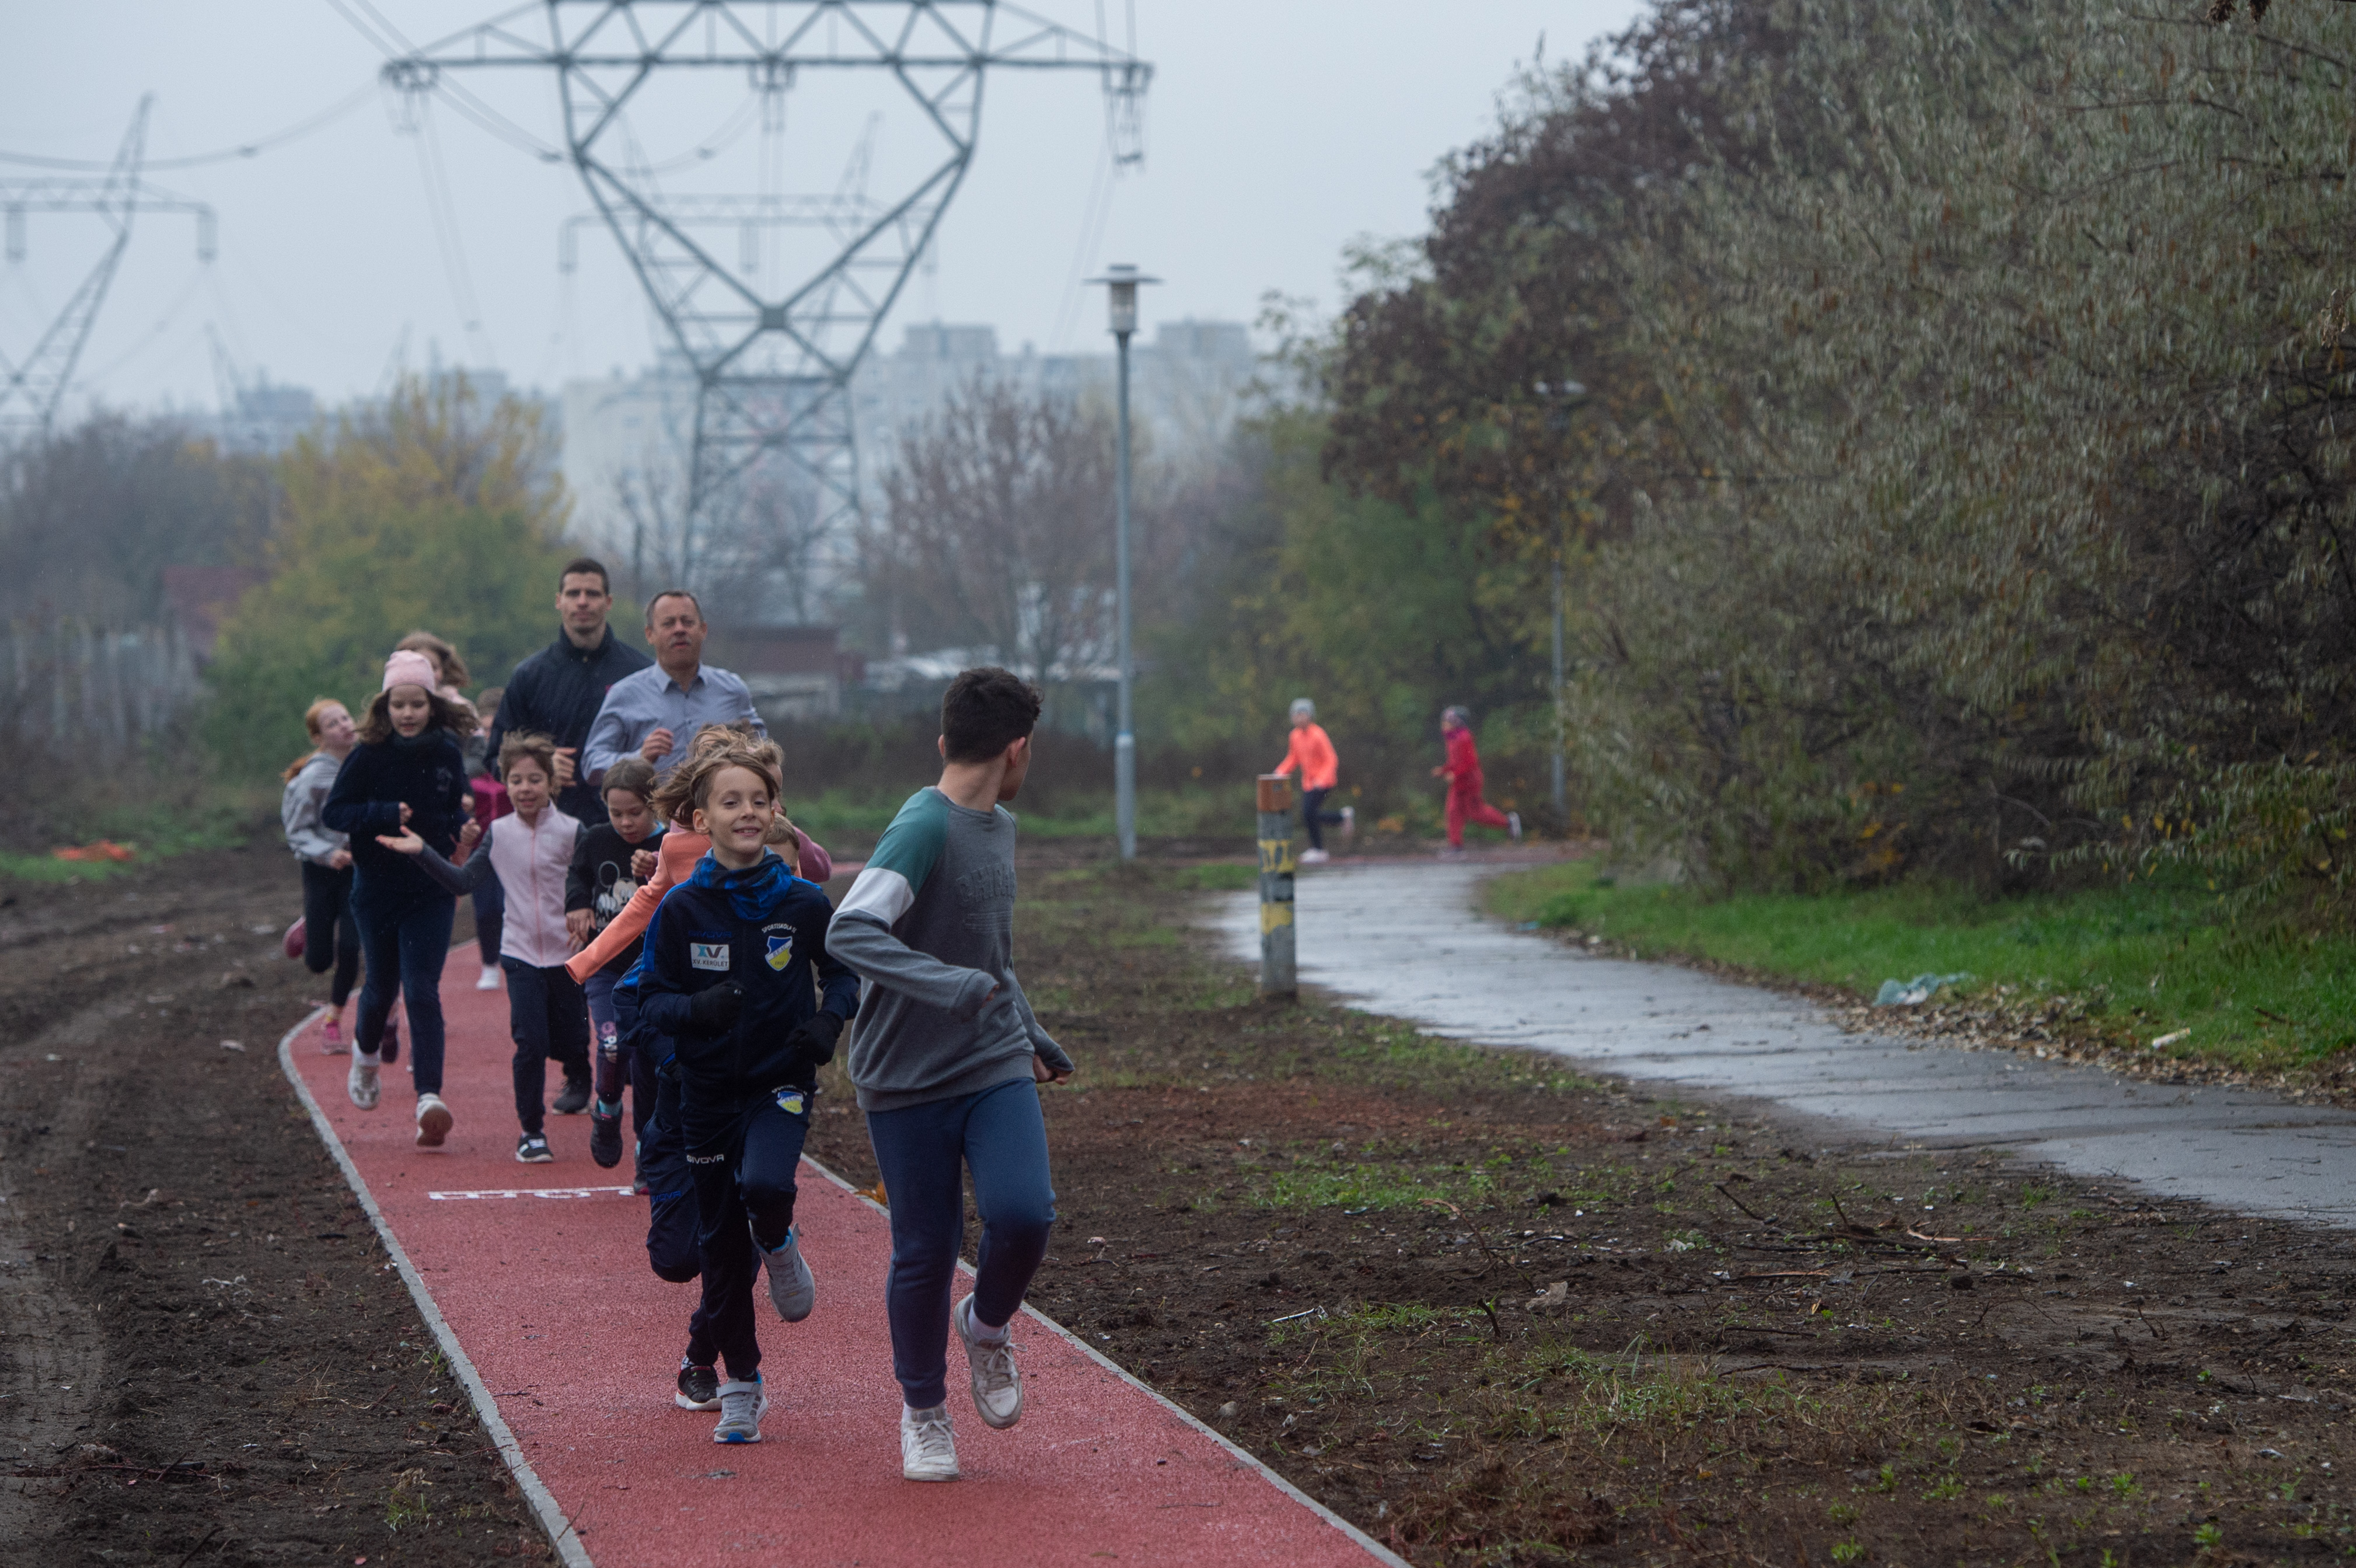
406, 771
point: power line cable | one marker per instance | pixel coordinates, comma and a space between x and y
388, 41
301, 128
447, 239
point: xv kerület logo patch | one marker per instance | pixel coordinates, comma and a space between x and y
708, 955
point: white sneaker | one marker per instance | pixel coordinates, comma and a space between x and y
997, 1386
1514, 825
360, 1083
927, 1448
488, 980
742, 1405
1314, 857
432, 1121
1349, 822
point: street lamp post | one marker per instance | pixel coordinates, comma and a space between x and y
1121, 281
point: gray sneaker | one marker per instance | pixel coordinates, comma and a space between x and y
997, 1386
793, 1291
742, 1405
927, 1446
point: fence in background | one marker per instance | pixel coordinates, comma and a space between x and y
70, 687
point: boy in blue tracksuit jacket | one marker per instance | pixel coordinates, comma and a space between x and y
735, 971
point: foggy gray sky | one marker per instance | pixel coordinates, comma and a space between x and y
1276, 133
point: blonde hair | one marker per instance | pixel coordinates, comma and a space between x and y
687, 787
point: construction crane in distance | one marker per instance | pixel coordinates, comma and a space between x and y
773, 363
31, 389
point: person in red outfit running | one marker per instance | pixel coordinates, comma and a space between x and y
1312, 750
1466, 791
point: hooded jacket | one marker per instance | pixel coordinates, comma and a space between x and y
763, 928
298, 810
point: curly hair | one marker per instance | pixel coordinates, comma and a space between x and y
458, 718
518, 744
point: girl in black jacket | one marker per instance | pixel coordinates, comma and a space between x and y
407, 772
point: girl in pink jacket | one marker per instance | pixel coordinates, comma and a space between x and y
528, 851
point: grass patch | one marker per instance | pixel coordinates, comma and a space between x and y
151, 832
2142, 961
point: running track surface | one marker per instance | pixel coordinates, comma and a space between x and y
578, 1342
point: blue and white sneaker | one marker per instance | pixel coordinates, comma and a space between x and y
793, 1290
742, 1405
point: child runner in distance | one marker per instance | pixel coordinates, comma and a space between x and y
326, 939
490, 804
1312, 750
1467, 792
596, 888
946, 1058
529, 853
405, 775
735, 959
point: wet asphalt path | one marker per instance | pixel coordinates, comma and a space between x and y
1405, 939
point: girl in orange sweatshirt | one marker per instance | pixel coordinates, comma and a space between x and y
1312, 750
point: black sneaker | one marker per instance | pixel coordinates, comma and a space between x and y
605, 1138
573, 1098
389, 1049
698, 1387
533, 1150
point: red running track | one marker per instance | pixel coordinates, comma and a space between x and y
544, 1288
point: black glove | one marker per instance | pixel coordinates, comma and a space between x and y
714, 1011
813, 1042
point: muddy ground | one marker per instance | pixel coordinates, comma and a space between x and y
1488, 1310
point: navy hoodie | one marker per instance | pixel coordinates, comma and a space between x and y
428, 775
763, 928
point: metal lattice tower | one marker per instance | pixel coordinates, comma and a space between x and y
773, 366
31, 390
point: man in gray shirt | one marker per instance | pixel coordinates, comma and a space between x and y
656, 712
945, 1055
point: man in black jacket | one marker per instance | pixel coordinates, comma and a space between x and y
558, 690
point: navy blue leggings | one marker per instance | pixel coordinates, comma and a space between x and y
672, 1247
405, 936
999, 1135
546, 1017
743, 1173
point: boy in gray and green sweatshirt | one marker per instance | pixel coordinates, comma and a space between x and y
945, 1055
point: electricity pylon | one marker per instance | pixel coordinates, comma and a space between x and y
773, 366
30, 391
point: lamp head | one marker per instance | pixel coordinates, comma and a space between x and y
1121, 281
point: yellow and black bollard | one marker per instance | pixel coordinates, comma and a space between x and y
1276, 971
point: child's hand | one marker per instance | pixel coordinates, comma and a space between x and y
576, 927
340, 860
404, 841
715, 1012
642, 864
470, 834
404, 813
1043, 1074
